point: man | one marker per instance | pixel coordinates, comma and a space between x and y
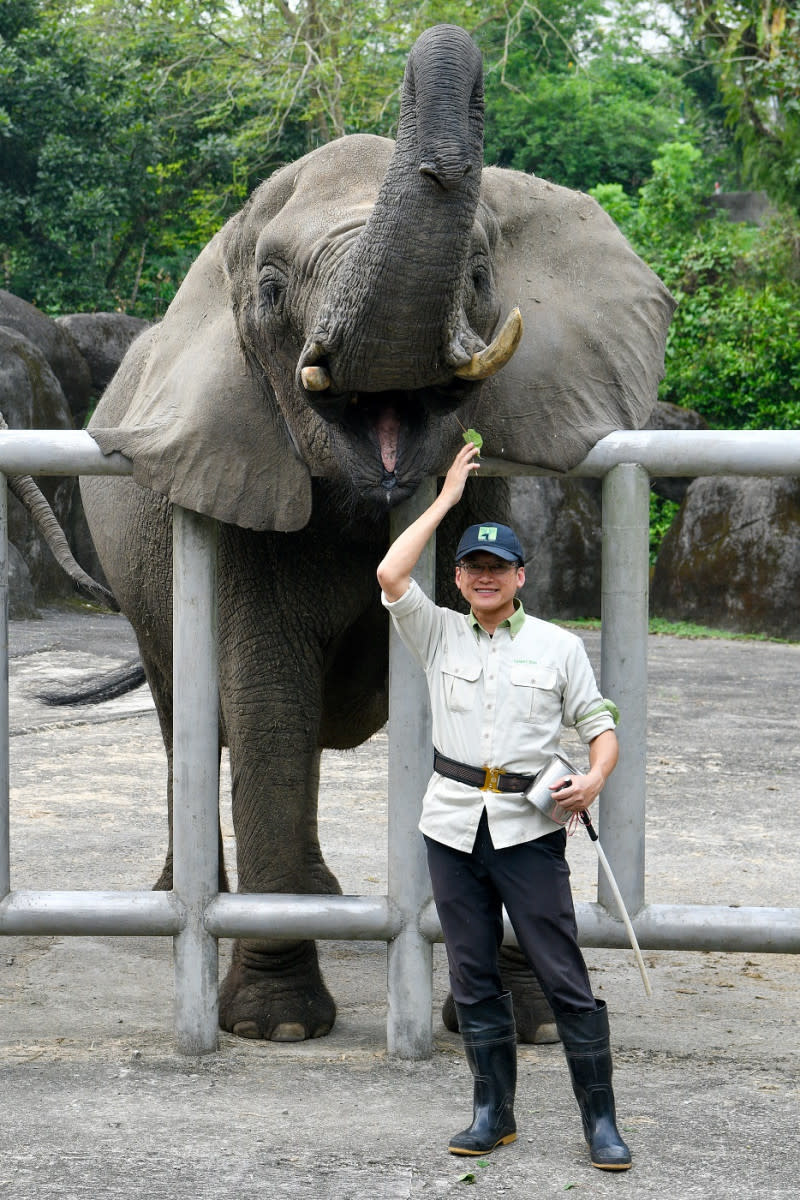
501, 686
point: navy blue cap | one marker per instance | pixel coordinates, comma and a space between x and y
495, 539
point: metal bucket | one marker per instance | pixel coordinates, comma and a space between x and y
539, 792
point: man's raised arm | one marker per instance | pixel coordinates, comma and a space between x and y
394, 572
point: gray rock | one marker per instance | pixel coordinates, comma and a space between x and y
31, 396
750, 208
21, 600
559, 522
103, 339
731, 559
559, 525
55, 343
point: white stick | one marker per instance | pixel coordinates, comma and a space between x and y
601, 854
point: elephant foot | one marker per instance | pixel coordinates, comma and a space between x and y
533, 1016
276, 997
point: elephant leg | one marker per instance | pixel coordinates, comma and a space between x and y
321, 878
271, 697
532, 1014
274, 988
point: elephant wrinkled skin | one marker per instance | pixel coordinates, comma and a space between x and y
385, 268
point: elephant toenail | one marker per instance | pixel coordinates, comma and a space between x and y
247, 1029
289, 1032
545, 1035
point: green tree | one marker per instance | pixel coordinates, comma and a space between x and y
105, 140
601, 123
750, 49
572, 97
733, 349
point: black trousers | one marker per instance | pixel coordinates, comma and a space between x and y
532, 881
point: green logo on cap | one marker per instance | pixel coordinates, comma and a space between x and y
487, 533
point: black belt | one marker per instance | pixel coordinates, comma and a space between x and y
488, 779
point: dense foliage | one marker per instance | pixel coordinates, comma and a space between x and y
754, 46
733, 352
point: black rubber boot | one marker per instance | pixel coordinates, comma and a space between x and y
490, 1046
586, 1044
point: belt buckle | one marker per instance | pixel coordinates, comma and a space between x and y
492, 778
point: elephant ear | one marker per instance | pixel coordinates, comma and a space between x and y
199, 427
595, 324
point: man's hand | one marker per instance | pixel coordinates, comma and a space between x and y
394, 572
581, 791
576, 793
456, 478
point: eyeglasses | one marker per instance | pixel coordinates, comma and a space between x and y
496, 568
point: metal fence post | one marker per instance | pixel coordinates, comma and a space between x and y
5, 832
195, 776
409, 1032
624, 611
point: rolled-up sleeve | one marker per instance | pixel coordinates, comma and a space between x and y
584, 707
417, 620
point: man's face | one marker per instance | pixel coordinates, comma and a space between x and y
489, 584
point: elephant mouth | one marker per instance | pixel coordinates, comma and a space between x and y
394, 438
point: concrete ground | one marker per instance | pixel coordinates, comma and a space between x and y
94, 1102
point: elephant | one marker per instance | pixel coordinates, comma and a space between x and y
321, 358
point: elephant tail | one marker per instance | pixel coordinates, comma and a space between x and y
125, 679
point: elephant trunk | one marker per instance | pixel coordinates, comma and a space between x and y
393, 315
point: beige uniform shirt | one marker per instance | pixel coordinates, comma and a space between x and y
496, 701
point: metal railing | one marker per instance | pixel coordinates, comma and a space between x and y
196, 915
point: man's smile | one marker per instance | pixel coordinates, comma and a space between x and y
489, 584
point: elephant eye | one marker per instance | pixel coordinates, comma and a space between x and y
271, 288
481, 280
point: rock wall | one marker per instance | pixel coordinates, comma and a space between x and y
51, 372
731, 559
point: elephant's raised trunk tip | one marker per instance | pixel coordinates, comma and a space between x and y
446, 170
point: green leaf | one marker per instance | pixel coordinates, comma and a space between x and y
468, 1178
472, 435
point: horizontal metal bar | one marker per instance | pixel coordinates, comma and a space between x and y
696, 927
675, 927
686, 452
371, 918
346, 918
57, 452
91, 913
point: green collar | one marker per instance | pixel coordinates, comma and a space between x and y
513, 623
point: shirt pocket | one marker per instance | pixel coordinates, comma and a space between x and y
536, 692
460, 685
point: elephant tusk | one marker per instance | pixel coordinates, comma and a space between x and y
315, 379
497, 353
